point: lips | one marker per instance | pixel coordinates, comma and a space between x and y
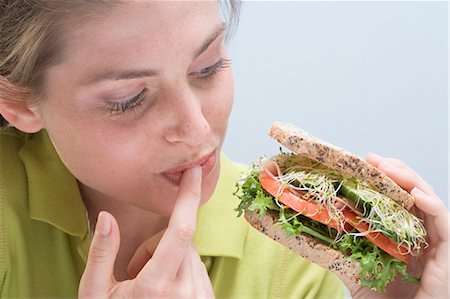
207, 163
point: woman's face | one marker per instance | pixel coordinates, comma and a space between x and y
144, 90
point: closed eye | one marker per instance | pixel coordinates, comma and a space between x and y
121, 107
209, 72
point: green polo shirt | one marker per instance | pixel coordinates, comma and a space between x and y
44, 234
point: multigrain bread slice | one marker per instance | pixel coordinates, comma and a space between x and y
339, 159
306, 246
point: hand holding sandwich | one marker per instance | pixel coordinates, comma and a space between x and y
431, 267
356, 218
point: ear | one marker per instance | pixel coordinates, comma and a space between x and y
17, 110
20, 115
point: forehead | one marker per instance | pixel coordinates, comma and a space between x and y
133, 28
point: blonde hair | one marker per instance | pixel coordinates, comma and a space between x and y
31, 38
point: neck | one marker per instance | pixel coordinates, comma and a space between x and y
136, 224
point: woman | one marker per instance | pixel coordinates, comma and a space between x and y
124, 108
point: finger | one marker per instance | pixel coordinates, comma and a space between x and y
435, 208
185, 278
98, 276
190, 278
183, 285
143, 254
376, 159
185, 270
203, 287
173, 246
405, 177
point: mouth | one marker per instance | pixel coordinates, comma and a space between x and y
207, 163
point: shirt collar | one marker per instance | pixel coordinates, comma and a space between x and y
53, 192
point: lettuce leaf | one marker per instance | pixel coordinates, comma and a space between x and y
247, 190
378, 268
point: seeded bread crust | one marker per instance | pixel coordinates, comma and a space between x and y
306, 246
337, 158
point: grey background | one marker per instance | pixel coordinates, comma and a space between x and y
366, 76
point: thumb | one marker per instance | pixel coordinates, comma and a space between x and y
98, 277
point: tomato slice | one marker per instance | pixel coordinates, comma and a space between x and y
307, 208
313, 211
380, 240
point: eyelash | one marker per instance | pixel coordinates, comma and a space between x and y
206, 74
210, 72
122, 107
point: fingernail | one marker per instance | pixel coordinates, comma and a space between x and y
417, 192
103, 226
196, 172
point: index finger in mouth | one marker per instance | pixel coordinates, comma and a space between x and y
175, 242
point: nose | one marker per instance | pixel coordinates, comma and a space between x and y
188, 124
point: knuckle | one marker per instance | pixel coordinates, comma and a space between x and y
158, 288
399, 162
98, 255
193, 193
185, 232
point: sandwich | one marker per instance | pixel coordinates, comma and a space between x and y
333, 208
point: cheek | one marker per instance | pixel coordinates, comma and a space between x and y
218, 110
90, 149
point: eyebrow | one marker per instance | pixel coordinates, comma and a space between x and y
211, 38
135, 74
